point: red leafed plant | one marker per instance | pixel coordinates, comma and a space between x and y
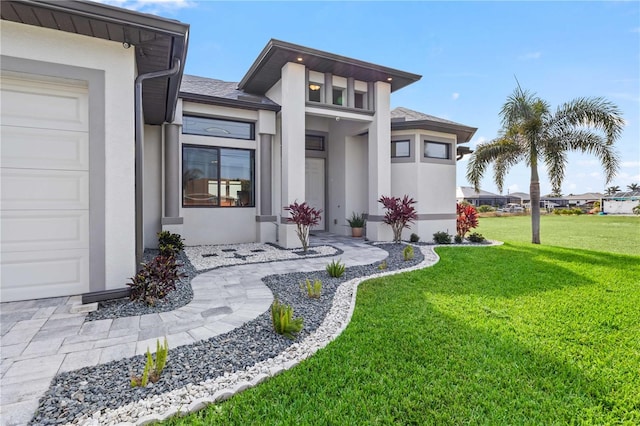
400, 213
304, 216
467, 219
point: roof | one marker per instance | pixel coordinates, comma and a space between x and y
266, 69
585, 196
157, 41
218, 92
469, 192
632, 195
405, 118
521, 195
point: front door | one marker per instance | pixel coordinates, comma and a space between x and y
314, 187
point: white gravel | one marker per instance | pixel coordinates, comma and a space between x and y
215, 256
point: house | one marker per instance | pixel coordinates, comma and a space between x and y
583, 200
621, 202
479, 198
106, 142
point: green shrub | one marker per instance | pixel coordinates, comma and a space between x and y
575, 211
457, 239
169, 243
408, 253
357, 220
152, 368
636, 209
414, 238
155, 279
486, 209
476, 237
383, 265
442, 238
283, 321
335, 269
313, 289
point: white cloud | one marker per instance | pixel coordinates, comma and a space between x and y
475, 143
455, 96
514, 188
150, 6
595, 174
630, 164
529, 56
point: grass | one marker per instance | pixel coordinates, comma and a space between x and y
516, 334
615, 234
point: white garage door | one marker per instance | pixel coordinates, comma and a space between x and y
44, 207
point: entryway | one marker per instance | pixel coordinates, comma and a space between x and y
315, 187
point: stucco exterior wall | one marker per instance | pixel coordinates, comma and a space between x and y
152, 185
118, 64
431, 184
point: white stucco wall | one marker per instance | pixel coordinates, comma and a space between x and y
152, 185
118, 64
431, 184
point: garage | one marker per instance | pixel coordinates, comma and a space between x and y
44, 208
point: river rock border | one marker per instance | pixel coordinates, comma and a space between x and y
195, 397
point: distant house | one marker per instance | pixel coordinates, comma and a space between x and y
479, 198
620, 202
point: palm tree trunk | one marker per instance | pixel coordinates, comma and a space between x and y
534, 191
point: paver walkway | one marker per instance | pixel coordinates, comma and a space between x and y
41, 338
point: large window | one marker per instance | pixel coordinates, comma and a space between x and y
400, 149
206, 126
315, 92
437, 150
217, 177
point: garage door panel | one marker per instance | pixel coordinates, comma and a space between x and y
24, 147
24, 189
45, 105
44, 230
35, 275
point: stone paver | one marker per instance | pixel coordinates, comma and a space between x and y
41, 338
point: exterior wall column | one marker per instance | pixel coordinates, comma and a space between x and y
267, 221
171, 220
379, 163
293, 154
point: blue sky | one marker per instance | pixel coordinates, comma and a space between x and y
467, 52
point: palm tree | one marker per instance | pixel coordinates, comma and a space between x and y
533, 134
633, 187
612, 190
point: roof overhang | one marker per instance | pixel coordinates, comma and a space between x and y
157, 41
266, 69
463, 133
233, 103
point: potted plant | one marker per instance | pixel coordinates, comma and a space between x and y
356, 223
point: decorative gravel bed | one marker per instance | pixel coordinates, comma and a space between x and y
75, 396
124, 307
204, 258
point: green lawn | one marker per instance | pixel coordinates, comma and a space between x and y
511, 335
616, 234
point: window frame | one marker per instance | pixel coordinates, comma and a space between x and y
445, 144
407, 141
252, 127
320, 92
220, 178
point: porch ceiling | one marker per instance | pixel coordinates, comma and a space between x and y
265, 71
157, 41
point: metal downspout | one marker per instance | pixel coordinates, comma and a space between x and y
139, 151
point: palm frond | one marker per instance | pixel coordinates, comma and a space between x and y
588, 142
488, 153
597, 113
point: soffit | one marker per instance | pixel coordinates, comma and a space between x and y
267, 68
156, 40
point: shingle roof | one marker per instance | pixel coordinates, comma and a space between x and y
411, 115
469, 192
203, 88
